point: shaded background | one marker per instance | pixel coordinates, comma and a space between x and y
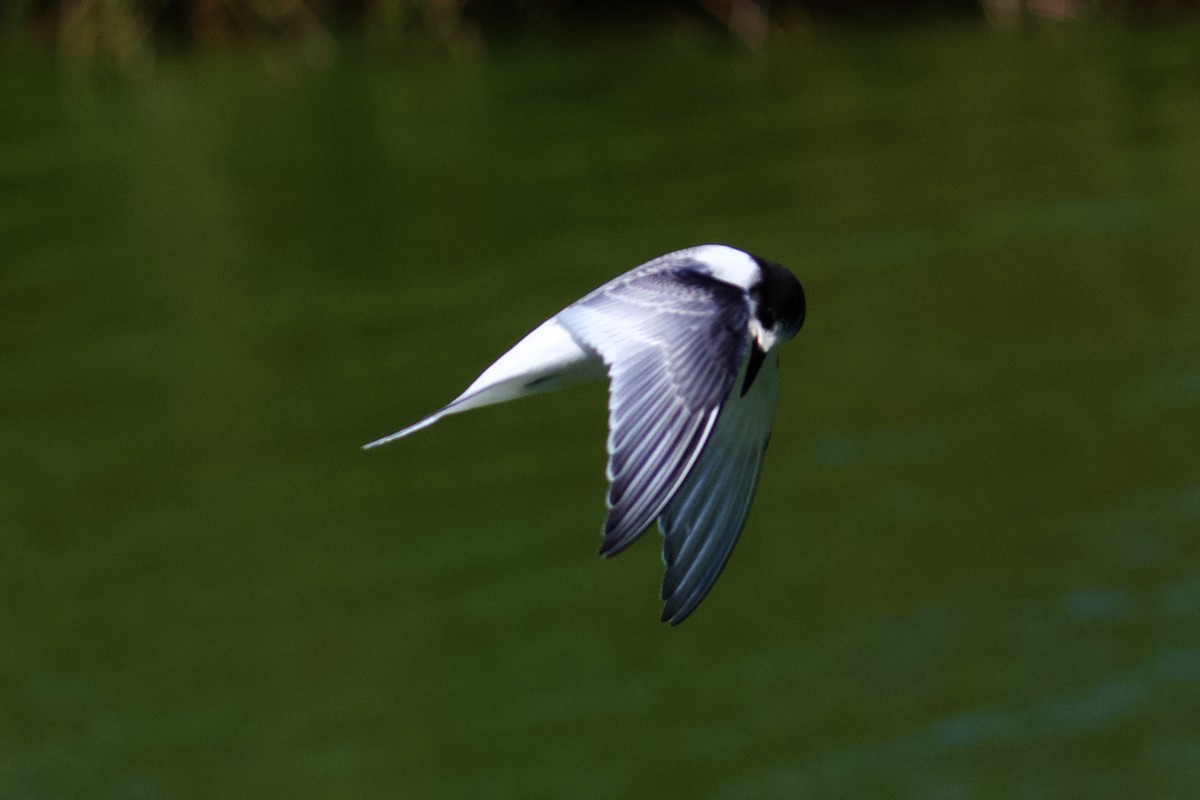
237, 241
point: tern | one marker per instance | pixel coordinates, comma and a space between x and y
689, 344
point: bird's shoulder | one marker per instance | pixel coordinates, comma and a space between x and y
676, 283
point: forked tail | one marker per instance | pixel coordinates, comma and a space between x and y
546, 359
472, 398
416, 426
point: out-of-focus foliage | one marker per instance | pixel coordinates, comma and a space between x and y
126, 31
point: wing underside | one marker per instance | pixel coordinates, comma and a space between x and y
672, 341
702, 522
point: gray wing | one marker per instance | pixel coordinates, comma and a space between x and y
702, 522
672, 340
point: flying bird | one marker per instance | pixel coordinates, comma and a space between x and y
688, 343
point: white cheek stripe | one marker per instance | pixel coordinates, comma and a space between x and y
766, 338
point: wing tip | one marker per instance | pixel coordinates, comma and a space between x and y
683, 594
675, 614
679, 598
615, 542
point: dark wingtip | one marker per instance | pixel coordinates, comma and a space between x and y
676, 608
674, 616
757, 356
615, 543
619, 533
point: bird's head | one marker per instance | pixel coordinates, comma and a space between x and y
779, 305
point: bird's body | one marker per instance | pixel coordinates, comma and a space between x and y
687, 342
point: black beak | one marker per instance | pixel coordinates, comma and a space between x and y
757, 356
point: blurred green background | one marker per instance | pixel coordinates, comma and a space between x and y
228, 259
